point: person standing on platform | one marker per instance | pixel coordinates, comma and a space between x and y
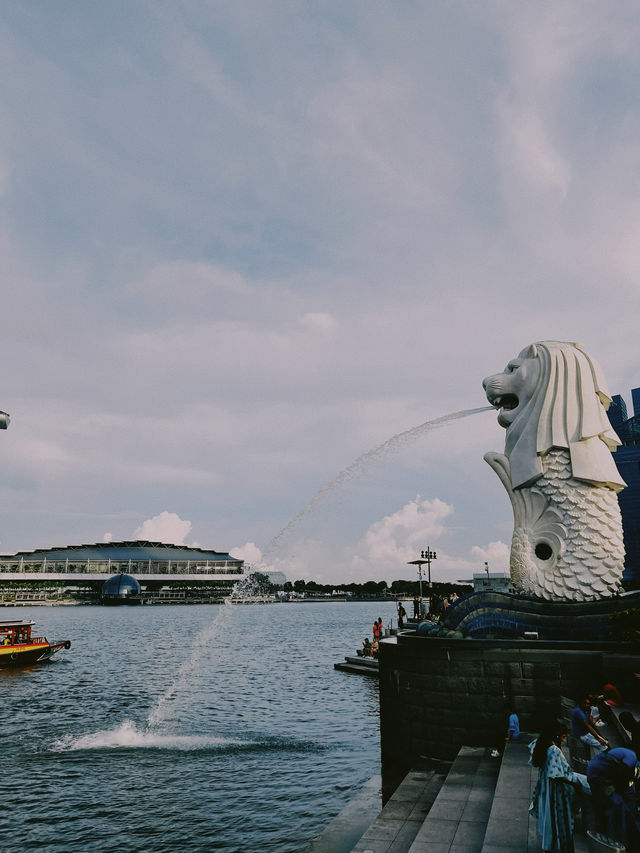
376, 632
401, 616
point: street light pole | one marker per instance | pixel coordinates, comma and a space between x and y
425, 559
427, 556
419, 564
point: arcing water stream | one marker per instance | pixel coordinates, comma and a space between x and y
127, 734
393, 444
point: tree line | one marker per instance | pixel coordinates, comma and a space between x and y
408, 588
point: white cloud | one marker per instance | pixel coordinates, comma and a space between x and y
249, 552
165, 527
495, 554
397, 538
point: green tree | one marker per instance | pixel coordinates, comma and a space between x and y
261, 583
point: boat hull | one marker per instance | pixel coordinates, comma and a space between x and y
30, 653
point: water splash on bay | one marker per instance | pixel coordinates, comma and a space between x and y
391, 445
128, 736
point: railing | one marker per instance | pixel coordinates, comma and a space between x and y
138, 567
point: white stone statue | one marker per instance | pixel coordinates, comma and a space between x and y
559, 473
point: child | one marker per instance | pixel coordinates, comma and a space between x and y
513, 726
513, 730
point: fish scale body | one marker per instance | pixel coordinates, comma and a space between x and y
590, 560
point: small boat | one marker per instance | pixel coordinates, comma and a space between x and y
19, 648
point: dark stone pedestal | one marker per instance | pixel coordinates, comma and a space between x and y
437, 694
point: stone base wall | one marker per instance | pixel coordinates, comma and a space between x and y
438, 694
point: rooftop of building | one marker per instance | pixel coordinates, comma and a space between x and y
136, 550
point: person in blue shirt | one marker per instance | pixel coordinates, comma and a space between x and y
513, 726
512, 733
611, 776
582, 728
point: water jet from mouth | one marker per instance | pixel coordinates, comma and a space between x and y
391, 445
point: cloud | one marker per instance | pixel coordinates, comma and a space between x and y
165, 527
250, 553
399, 537
495, 554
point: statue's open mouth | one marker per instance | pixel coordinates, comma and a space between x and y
507, 402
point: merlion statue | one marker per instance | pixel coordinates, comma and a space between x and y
559, 473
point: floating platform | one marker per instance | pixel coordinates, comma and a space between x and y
358, 665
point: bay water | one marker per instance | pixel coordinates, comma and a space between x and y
187, 728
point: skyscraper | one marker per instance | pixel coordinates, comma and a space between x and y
627, 459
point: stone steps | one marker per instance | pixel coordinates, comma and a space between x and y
481, 805
457, 821
395, 828
359, 665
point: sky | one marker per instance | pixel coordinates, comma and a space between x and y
244, 244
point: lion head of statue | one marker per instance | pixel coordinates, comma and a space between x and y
553, 395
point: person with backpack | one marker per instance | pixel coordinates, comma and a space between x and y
612, 776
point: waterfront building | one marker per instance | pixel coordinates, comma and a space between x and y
627, 459
500, 581
483, 581
147, 562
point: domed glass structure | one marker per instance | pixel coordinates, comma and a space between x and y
121, 589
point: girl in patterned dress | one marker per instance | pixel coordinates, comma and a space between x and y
554, 800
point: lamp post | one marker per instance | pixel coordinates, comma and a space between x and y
425, 560
427, 556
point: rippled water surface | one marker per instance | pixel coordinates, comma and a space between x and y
187, 728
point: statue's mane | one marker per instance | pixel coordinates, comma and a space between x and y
567, 409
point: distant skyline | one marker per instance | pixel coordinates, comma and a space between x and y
244, 244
